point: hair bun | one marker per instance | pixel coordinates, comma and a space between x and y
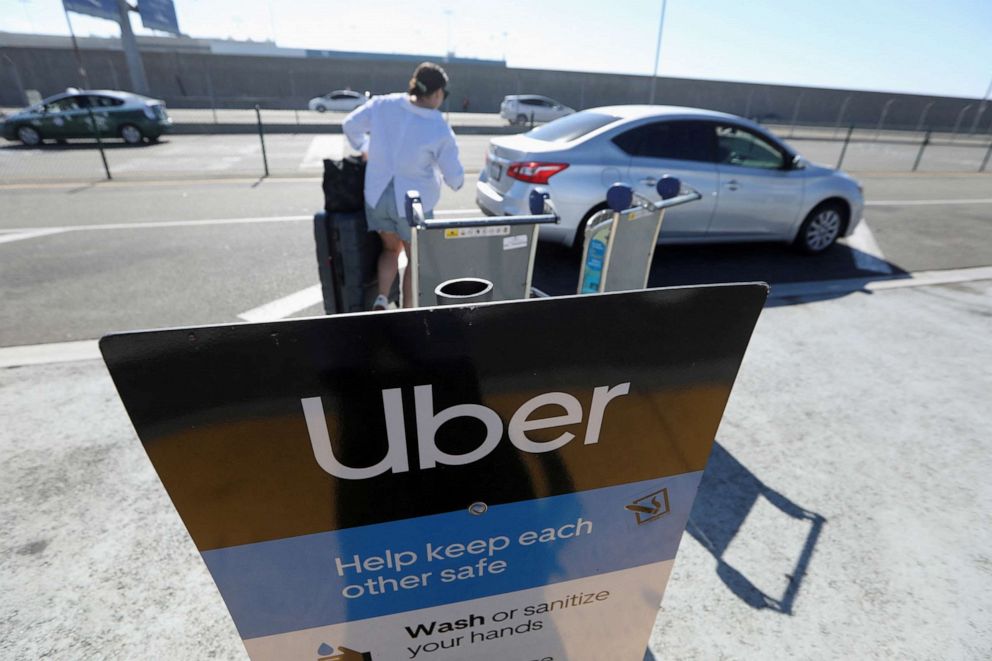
427, 78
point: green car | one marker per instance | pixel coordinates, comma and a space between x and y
130, 117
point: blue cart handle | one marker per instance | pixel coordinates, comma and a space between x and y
621, 198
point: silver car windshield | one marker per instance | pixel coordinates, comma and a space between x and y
571, 127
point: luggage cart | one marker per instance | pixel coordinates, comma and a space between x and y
628, 230
499, 249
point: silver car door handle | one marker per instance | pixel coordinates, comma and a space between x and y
733, 184
650, 181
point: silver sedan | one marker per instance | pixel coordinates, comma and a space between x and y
754, 187
340, 100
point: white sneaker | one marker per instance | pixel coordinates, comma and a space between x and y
381, 303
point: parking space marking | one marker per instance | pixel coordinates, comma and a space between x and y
867, 254
285, 306
9, 237
920, 203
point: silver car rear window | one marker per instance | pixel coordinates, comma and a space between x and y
571, 127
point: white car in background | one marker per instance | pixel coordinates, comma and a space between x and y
340, 100
754, 186
526, 108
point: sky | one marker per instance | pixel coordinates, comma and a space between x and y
907, 46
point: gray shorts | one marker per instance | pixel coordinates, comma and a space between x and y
385, 217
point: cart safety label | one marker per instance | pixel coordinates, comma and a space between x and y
403, 487
514, 242
470, 232
595, 258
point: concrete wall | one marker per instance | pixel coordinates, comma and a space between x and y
198, 79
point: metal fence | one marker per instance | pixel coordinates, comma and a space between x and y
874, 150
218, 143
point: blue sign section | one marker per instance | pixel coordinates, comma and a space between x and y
594, 265
370, 571
159, 15
98, 8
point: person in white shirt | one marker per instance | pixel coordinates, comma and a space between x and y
408, 146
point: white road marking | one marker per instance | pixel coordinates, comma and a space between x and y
321, 147
867, 255
9, 237
166, 223
301, 300
285, 306
42, 354
919, 203
195, 223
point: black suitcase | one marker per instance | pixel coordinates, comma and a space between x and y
347, 255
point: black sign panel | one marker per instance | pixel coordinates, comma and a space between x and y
345, 438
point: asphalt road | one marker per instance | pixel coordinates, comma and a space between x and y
77, 262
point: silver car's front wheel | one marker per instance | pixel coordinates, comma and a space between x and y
29, 136
820, 229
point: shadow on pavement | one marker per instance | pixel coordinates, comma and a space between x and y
556, 269
726, 496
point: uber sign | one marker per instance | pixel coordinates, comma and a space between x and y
428, 424
505, 481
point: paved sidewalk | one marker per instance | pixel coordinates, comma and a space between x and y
845, 513
865, 417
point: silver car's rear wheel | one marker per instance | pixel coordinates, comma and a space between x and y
821, 228
29, 136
